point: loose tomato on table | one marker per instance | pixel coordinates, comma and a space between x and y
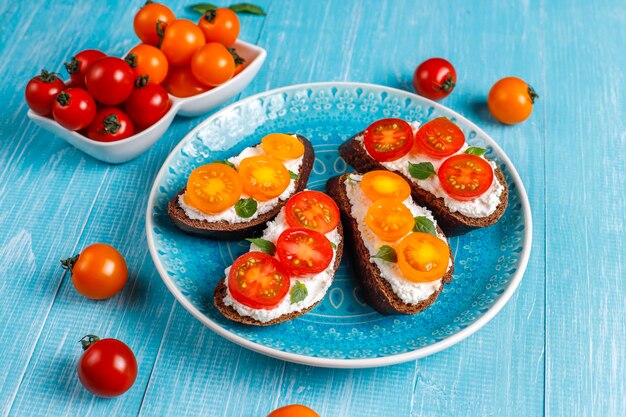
150, 22
110, 124
182, 83
147, 104
98, 272
147, 60
293, 410
434, 78
438, 138
465, 177
422, 257
181, 39
389, 219
41, 92
384, 184
303, 251
388, 139
220, 25
213, 64
263, 177
79, 64
313, 210
258, 280
110, 80
107, 367
213, 188
74, 109
282, 146
511, 100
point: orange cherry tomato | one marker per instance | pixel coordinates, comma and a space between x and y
150, 20
263, 177
98, 272
281, 146
438, 138
422, 257
511, 100
465, 177
213, 64
213, 188
220, 25
182, 83
384, 184
258, 280
313, 210
181, 39
294, 410
389, 219
148, 60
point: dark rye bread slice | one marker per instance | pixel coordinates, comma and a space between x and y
452, 223
376, 289
224, 230
231, 313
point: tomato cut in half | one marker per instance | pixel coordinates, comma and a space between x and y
389, 219
465, 177
388, 139
439, 138
213, 188
263, 177
384, 184
303, 251
313, 210
258, 280
422, 257
281, 146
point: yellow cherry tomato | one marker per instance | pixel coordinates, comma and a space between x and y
511, 100
389, 219
384, 184
281, 146
422, 257
294, 410
263, 177
213, 188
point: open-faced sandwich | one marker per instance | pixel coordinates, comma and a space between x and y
462, 188
400, 255
290, 268
233, 198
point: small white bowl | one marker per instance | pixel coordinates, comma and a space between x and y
126, 149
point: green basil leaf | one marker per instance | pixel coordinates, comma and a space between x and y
247, 8
225, 162
387, 253
474, 150
422, 170
202, 8
425, 225
333, 245
293, 175
265, 245
298, 292
245, 207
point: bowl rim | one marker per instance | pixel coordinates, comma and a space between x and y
333, 362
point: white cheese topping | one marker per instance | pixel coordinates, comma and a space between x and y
410, 292
316, 284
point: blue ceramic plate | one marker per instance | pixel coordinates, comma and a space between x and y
342, 331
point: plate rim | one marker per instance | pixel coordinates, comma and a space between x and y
345, 362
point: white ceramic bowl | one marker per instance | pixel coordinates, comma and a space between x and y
130, 148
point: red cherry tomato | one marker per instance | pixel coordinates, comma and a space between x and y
258, 280
182, 83
79, 64
220, 25
303, 251
110, 125
388, 139
147, 104
465, 177
150, 22
110, 80
41, 91
434, 78
74, 109
107, 368
438, 138
313, 210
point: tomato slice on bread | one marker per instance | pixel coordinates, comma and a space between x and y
313, 210
388, 139
384, 184
439, 138
422, 257
465, 177
303, 251
263, 177
282, 146
258, 280
213, 188
389, 219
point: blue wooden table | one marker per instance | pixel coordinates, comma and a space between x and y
558, 347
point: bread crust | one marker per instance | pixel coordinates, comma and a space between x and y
376, 289
452, 223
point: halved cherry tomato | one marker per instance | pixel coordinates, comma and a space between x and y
281, 146
258, 280
465, 177
74, 108
388, 139
148, 60
422, 257
110, 124
511, 100
220, 25
41, 92
303, 251
150, 22
313, 210
213, 64
294, 410
389, 219
213, 188
182, 38
384, 184
263, 177
79, 64
182, 83
438, 138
